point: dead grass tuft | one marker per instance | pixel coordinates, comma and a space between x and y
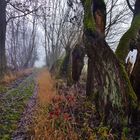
46, 89
12, 76
51, 122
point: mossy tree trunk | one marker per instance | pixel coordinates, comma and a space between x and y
123, 47
65, 63
107, 81
2, 38
135, 75
66, 66
78, 55
135, 81
129, 41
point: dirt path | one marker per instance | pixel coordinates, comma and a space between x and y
26, 119
42, 94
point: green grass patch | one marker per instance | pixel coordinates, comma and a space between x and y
3, 89
12, 105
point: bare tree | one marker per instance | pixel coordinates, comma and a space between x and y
21, 39
61, 31
24, 8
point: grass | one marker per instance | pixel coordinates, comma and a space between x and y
12, 104
49, 122
3, 89
46, 87
63, 115
12, 76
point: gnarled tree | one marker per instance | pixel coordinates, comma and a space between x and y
128, 42
107, 81
123, 47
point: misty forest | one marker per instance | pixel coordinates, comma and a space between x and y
69, 69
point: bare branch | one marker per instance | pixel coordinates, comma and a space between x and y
129, 5
25, 13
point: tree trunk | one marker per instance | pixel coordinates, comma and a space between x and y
2, 38
107, 81
66, 70
135, 76
135, 81
123, 47
65, 63
78, 55
129, 42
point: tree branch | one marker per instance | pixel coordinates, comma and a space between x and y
25, 13
129, 5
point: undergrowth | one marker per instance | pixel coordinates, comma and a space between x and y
65, 118
65, 113
12, 76
3, 89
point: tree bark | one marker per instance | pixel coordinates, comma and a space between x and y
78, 55
107, 81
65, 63
135, 75
135, 81
2, 38
66, 66
123, 47
129, 42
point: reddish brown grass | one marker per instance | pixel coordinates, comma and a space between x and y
49, 113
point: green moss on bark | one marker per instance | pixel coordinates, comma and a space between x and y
89, 23
108, 84
131, 94
123, 47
